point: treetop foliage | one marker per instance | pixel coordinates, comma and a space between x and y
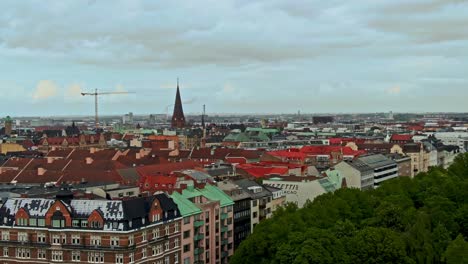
419, 220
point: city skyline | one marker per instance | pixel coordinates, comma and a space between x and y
243, 57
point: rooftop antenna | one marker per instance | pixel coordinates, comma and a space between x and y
203, 118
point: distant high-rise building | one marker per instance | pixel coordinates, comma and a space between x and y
8, 126
178, 118
127, 118
152, 119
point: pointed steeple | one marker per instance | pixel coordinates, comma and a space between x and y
178, 118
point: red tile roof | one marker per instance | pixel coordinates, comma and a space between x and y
262, 171
164, 169
401, 137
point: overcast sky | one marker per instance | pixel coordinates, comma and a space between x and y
239, 56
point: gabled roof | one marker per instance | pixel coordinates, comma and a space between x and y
401, 137
36, 207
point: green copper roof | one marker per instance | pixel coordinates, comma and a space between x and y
8, 119
333, 180
213, 193
263, 130
186, 207
237, 137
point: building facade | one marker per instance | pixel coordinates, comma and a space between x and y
142, 230
207, 226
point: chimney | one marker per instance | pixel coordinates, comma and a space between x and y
40, 171
50, 160
92, 150
89, 160
138, 155
24, 195
88, 195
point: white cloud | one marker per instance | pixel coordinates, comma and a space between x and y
395, 90
74, 90
45, 89
228, 89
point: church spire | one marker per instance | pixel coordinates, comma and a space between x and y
178, 118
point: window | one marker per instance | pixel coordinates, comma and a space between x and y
186, 248
75, 239
76, 223
157, 250
23, 253
119, 258
143, 253
41, 254
130, 240
57, 256
84, 223
166, 230
166, 260
176, 242
33, 222
5, 235
132, 257
41, 237
115, 241
156, 233
176, 259
6, 252
176, 227
76, 256
166, 246
95, 240
58, 223
144, 236
22, 236
95, 257
96, 224
187, 234
56, 239
41, 222
187, 220
22, 221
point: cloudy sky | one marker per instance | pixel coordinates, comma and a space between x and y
239, 56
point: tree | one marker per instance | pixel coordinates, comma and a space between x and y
457, 251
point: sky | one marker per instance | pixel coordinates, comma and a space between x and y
234, 56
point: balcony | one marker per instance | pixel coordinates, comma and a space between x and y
198, 223
224, 229
25, 243
158, 239
224, 242
224, 254
198, 237
224, 216
199, 251
98, 247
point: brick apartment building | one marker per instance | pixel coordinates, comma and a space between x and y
140, 230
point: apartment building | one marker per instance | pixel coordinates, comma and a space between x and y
139, 230
207, 224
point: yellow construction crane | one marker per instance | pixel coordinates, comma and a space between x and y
96, 94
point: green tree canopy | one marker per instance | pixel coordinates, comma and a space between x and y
419, 220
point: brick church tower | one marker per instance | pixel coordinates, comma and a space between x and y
178, 118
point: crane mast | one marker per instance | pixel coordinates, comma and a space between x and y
96, 94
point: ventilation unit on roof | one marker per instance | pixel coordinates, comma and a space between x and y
255, 189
